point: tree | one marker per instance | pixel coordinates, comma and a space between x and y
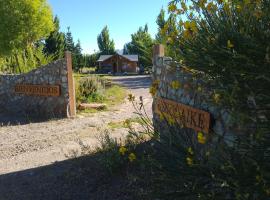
55, 43
167, 33
105, 44
78, 61
161, 22
141, 44
69, 41
22, 22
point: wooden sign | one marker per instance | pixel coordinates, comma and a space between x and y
187, 116
38, 90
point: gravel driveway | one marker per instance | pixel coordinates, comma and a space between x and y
35, 145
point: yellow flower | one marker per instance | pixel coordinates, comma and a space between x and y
172, 7
191, 26
153, 91
175, 85
183, 5
239, 8
220, 1
201, 138
131, 97
190, 151
122, 150
216, 97
258, 178
211, 7
171, 120
246, 2
199, 89
202, 3
189, 161
169, 40
187, 34
132, 157
226, 8
230, 44
258, 14
161, 116
267, 191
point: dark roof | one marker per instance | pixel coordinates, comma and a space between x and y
104, 57
134, 58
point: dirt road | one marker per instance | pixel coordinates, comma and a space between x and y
34, 145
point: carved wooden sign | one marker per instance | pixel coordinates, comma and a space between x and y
38, 90
187, 116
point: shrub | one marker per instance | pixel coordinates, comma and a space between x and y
229, 42
90, 89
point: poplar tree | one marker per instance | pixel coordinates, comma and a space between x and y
105, 44
23, 22
141, 44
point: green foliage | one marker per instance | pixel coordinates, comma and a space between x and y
90, 60
90, 89
23, 22
69, 43
55, 43
167, 33
114, 95
76, 50
27, 60
111, 159
141, 44
105, 44
161, 22
230, 42
78, 62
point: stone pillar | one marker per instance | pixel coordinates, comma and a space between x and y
71, 86
158, 51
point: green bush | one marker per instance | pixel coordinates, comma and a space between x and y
90, 89
230, 42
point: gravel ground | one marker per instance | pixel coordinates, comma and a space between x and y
46, 160
33, 156
34, 145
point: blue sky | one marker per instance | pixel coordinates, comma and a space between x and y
86, 18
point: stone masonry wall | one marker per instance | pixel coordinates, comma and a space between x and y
22, 105
194, 91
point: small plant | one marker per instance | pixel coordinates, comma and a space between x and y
115, 154
90, 89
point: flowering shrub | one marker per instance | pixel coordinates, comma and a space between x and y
230, 42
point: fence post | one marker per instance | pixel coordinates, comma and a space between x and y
158, 51
71, 86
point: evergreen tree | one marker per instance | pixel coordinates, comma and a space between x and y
105, 44
55, 43
78, 61
69, 44
141, 44
161, 21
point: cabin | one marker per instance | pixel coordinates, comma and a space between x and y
118, 63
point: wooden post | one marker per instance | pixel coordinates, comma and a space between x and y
158, 51
71, 87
